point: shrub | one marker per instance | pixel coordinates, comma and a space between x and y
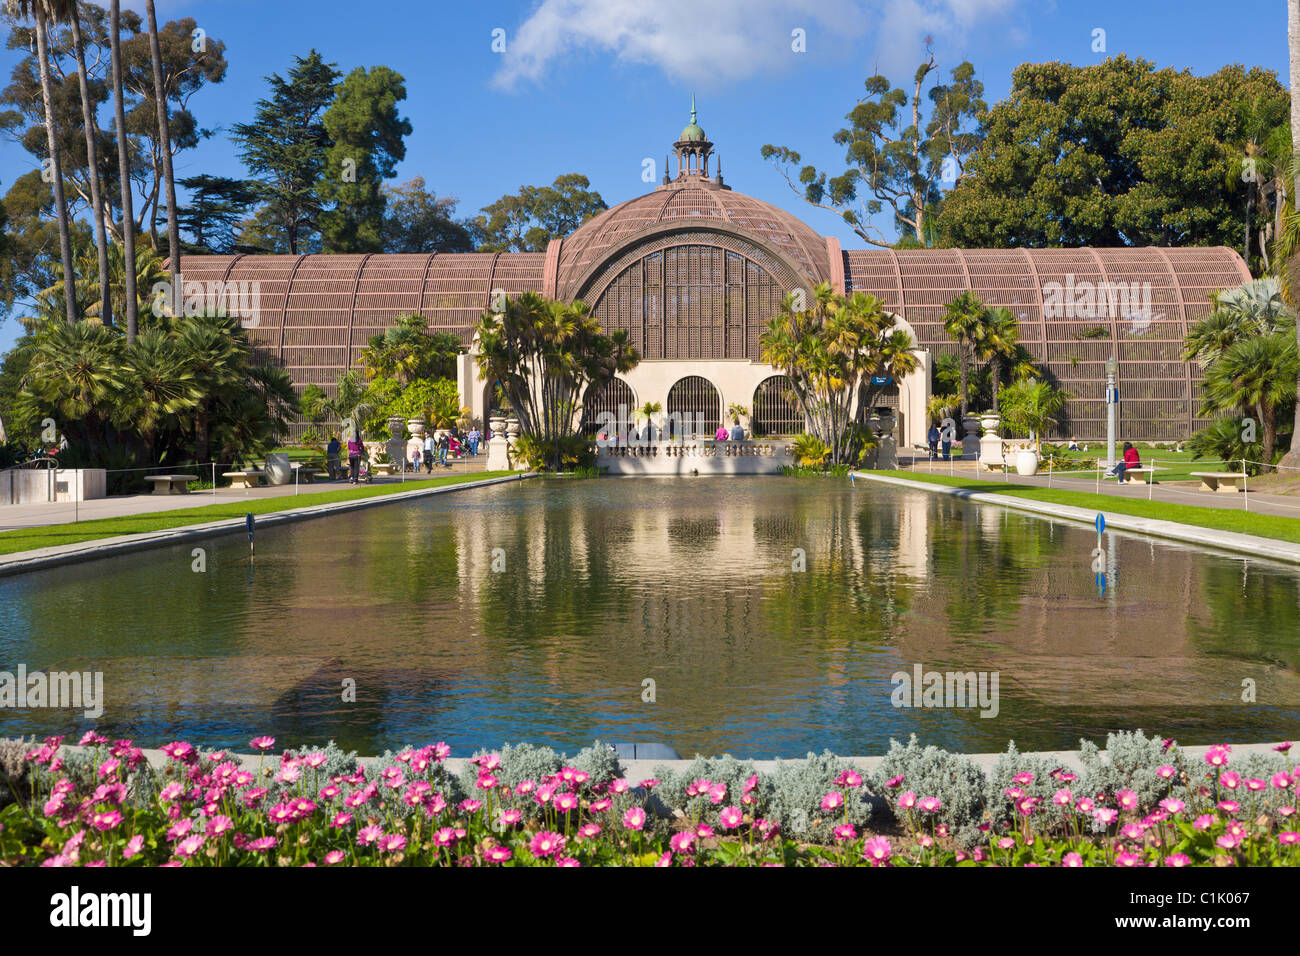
1044, 780
1133, 760
671, 792
796, 792
931, 772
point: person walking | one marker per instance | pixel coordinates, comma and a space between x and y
430, 446
444, 444
355, 451
474, 437
932, 439
332, 457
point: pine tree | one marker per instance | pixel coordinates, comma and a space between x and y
286, 145
366, 133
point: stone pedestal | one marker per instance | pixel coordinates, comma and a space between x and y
970, 443
497, 457
990, 443
396, 446
886, 454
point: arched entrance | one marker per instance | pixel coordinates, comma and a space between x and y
775, 410
694, 400
613, 398
495, 403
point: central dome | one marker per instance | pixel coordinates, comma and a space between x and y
688, 205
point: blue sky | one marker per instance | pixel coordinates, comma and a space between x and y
597, 86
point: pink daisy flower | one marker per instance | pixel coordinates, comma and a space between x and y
545, 843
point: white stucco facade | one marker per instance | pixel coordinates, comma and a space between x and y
735, 380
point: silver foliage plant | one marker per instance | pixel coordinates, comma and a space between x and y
931, 772
1132, 762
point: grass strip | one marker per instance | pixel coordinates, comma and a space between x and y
1201, 516
45, 536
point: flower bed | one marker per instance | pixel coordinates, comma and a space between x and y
1145, 805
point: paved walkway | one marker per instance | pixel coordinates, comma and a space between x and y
13, 517
1172, 492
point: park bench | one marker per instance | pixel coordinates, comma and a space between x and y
247, 478
1229, 482
171, 484
308, 474
1130, 475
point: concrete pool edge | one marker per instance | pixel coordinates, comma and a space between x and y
637, 770
1233, 541
37, 559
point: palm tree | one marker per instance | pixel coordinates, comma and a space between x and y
1253, 308
124, 171
1259, 374
66, 11
216, 356
648, 411
1033, 406
1000, 347
158, 386
407, 351
165, 146
830, 352
964, 321
38, 10
74, 372
89, 293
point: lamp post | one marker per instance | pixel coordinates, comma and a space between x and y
1112, 399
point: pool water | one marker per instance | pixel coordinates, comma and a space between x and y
757, 616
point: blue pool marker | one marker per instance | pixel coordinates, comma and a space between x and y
1101, 523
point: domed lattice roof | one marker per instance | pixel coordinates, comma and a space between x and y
690, 204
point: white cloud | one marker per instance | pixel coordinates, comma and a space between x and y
702, 40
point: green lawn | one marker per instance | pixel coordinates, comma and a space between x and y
1178, 465
25, 539
1220, 519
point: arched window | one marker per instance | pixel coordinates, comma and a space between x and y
776, 411
695, 397
614, 398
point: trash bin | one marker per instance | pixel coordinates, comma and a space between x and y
278, 471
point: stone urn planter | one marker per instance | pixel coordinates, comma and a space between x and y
416, 427
1026, 462
970, 442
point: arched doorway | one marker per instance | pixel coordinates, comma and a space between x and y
776, 411
694, 400
495, 403
613, 398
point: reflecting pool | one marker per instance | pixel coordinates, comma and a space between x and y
757, 616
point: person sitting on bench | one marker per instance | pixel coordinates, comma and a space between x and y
1131, 459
